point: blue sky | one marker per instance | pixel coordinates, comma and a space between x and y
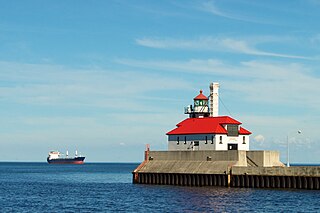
108, 77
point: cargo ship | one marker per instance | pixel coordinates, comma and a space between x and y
55, 157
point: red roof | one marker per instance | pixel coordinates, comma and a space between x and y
208, 125
201, 96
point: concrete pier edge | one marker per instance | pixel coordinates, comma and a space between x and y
233, 168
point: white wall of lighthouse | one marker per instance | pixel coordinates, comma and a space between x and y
206, 142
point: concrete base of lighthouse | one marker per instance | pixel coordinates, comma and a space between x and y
207, 161
160, 164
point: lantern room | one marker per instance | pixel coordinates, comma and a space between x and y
200, 107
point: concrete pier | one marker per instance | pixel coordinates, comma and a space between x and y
249, 169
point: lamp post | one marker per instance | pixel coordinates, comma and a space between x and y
288, 164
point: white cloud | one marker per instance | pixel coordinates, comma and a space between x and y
277, 87
240, 46
257, 141
259, 138
51, 85
51, 105
255, 81
203, 43
38, 84
242, 11
210, 6
193, 66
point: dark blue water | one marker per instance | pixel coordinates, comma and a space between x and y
107, 187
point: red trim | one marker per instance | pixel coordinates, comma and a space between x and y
208, 125
243, 131
201, 96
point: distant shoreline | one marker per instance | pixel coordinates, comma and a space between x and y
43, 162
84, 163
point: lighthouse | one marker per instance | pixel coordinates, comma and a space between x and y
205, 129
207, 149
200, 108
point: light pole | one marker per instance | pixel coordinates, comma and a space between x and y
288, 164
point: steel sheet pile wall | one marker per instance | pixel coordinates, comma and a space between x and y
259, 181
183, 179
243, 181
297, 177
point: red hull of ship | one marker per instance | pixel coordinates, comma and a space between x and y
76, 162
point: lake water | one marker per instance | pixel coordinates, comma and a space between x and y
107, 187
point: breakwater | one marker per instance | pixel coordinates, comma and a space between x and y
248, 169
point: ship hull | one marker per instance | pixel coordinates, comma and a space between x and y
76, 160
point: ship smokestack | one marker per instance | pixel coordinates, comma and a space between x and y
214, 99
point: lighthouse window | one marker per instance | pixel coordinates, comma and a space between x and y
196, 103
178, 140
220, 140
185, 139
232, 130
244, 140
212, 138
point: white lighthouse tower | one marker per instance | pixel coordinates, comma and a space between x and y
214, 99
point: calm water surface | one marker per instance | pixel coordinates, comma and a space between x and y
107, 187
